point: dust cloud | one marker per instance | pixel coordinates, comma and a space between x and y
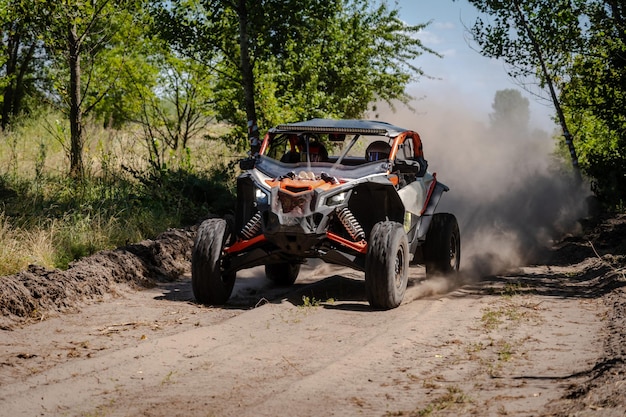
512, 198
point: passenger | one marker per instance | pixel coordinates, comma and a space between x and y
377, 151
291, 157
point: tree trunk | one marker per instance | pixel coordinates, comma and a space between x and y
555, 100
13, 45
76, 127
247, 78
16, 107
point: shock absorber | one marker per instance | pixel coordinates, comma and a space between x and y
351, 224
253, 227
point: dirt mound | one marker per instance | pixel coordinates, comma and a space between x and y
602, 237
38, 292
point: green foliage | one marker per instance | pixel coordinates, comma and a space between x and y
127, 73
178, 108
602, 156
552, 24
595, 97
311, 58
599, 75
308, 302
20, 59
173, 66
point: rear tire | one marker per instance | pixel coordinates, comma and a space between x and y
386, 265
283, 274
210, 285
442, 248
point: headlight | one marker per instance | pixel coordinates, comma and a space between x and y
261, 197
336, 199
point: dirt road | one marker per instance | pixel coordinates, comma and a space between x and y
539, 340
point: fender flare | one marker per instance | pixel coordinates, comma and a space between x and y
429, 209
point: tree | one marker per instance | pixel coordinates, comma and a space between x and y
598, 76
298, 59
510, 111
180, 111
20, 22
78, 34
595, 99
535, 38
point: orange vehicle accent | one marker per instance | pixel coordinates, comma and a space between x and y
360, 246
417, 145
288, 185
418, 150
265, 144
243, 244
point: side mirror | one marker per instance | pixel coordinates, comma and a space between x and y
246, 164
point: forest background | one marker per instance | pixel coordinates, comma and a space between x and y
122, 119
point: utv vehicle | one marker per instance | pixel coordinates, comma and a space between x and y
355, 193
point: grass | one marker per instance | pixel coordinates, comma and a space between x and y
50, 220
454, 399
509, 313
308, 302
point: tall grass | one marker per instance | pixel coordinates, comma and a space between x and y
50, 220
19, 248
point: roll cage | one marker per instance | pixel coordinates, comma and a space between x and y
293, 138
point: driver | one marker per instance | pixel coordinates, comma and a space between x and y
317, 153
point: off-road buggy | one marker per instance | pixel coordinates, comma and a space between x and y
355, 193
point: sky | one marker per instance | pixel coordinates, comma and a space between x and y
462, 74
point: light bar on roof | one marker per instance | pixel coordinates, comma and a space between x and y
329, 129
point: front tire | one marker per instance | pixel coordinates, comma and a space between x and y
283, 274
386, 265
210, 285
442, 248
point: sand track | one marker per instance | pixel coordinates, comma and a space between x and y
119, 334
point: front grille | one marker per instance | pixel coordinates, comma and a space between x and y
294, 205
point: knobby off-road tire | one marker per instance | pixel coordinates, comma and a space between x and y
442, 249
210, 285
283, 274
386, 265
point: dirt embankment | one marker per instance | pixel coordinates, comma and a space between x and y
37, 293
119, 334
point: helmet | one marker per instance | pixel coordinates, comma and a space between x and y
377, 150
317, 152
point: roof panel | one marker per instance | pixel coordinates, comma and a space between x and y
355, 126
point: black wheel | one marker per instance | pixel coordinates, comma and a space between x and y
210, 285
284, 274
442, 249
386, 265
